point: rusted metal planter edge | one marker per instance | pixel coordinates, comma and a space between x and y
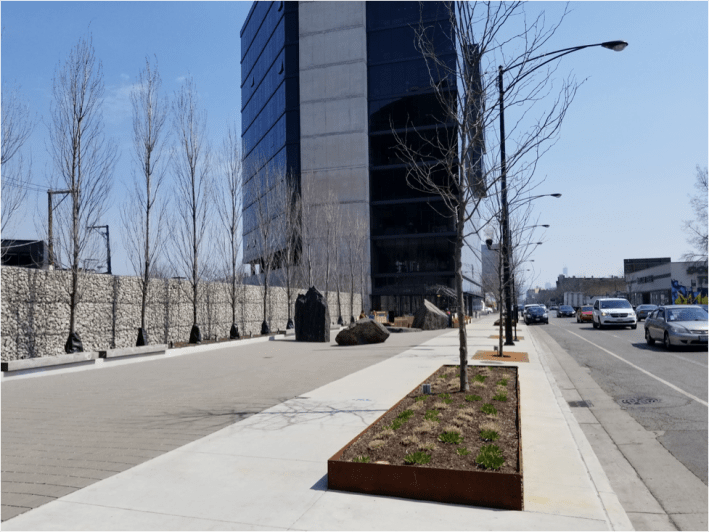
475, 488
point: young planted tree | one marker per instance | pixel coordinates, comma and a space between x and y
267, 232
143, 215
289, 254
457, 159
229, 203
17, 127
192, 167
84, 163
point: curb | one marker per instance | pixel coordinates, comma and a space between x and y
616, 517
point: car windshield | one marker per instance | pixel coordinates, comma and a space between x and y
587, 309
616, 303
686, 314
565, 307
536, 310
647, 307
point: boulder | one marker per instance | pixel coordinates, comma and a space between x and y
429, 317
312, 317
362, 332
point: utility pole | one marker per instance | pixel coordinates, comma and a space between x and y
50, 236
106, 235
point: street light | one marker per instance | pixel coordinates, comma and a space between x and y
616, 46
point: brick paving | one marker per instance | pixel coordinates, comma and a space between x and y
61, 433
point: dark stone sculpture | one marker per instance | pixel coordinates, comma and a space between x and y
429, 317
362, 332
312, 317
234, 332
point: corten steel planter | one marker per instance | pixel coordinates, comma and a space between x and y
476, 488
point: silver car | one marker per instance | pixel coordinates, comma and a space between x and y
677, 325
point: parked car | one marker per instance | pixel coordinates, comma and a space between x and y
584, 313
565, 311
536, 314
643, 311
613, 311
677, 325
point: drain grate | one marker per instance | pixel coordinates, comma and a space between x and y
580, 404
639, 400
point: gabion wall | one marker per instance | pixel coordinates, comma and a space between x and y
35, 311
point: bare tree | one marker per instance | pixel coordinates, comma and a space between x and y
229, 205
192, 167
266, 229
697, 229
143, 215
307, 207
455, 160
17, 127
289, 254
84, 162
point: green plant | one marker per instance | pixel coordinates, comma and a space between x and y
421, 398
471, 398
479, 378
450, 437
502, 382
502, 397
444, 395
489, 435
462, 451
361, 459
490, 457
487, 408
396, 424
405, 415
419, 457
431, 415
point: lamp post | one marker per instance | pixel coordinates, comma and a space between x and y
616, 46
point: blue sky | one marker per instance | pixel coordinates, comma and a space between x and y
624, 162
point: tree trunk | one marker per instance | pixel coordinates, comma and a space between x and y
464, 384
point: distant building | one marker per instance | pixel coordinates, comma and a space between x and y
669, 283
635, 265
566, 272
24, 253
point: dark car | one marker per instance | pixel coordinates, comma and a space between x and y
643, 311
536, 315
565, 311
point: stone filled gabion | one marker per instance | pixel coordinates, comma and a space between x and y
34, 311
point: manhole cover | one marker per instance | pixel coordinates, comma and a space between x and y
639, 400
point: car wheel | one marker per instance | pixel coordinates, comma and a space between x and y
600, 325
593, 322
666, 342
649, 339
634, 326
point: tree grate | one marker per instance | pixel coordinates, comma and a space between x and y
639, 400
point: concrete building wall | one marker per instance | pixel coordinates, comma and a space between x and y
34, 311
333, 105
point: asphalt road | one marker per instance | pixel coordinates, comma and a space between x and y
666, 392
61, 433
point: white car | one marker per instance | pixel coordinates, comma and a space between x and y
614, 311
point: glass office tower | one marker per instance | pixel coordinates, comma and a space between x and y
412, 232
323, 84
270, 110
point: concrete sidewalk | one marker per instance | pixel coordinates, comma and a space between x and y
269, 470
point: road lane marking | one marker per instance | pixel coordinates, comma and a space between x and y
680, 390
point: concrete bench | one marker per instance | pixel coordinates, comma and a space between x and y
157, 349
42, 362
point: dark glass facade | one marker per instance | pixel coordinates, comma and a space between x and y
412, 233
270, 104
